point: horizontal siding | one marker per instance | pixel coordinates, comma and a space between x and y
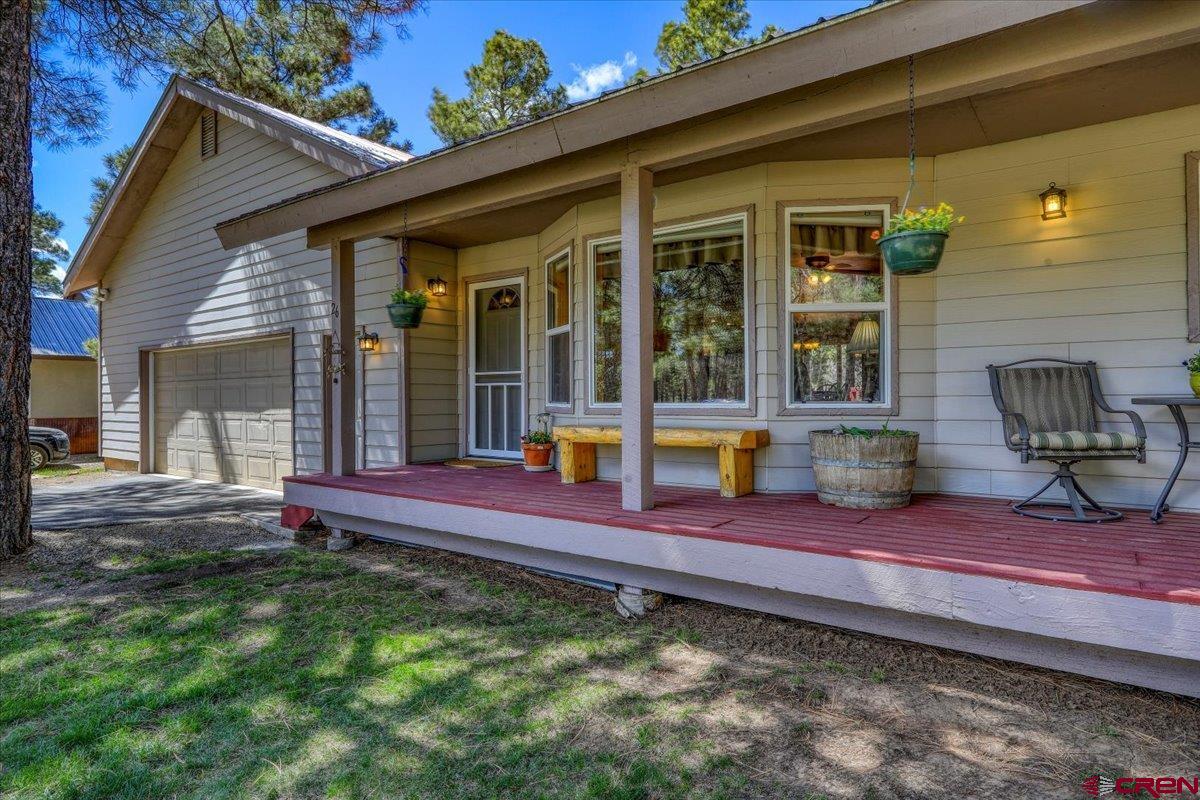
434, 396
1107, 283
171, 281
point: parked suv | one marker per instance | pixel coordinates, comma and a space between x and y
47, 446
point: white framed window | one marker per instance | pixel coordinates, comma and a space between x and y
837, 309
702, 316
558, 329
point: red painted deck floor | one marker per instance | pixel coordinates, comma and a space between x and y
969, 535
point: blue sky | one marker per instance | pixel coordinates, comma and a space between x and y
592, 45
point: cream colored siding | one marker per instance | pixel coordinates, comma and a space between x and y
433, 355
171, 283
62, 387
785, 465
1106, 283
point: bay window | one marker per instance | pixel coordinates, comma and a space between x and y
701, 296
558, 329
837, 299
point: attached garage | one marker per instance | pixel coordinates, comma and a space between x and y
224, 413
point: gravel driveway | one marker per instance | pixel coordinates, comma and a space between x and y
143, 498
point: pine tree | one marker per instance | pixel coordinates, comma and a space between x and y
709, 28
296, 57
101, 185
48, 251
508, 85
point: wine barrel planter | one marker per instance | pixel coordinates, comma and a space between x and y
864, 472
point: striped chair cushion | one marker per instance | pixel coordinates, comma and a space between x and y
1080, 440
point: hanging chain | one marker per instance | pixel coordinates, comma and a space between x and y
404, 248
912, 129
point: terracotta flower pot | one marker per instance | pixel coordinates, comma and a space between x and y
537, 456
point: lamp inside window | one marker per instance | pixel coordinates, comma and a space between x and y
1054, 202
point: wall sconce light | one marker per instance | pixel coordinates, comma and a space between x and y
367, 342
437, 286
1054, 202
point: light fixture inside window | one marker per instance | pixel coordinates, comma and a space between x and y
865, 338
367, 342
437, 286
1054, 202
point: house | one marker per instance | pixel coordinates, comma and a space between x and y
62, 373
565, 245
237, 340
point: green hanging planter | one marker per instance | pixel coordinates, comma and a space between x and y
913, 252
405, 315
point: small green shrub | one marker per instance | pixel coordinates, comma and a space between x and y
418, 298
1193, 363
939, 219
871, 433
537, 437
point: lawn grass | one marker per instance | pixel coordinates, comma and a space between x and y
296, 675
68, 469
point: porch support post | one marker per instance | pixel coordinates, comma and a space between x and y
637, 319
341, 263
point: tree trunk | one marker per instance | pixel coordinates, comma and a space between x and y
16, 209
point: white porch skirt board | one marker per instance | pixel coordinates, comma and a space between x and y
1130, 640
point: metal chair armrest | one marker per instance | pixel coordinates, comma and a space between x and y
1139, 427
1022, 431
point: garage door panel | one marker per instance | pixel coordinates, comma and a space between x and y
224, 413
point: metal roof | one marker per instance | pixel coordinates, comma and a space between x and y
60, 327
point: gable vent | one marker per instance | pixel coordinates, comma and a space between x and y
208, 133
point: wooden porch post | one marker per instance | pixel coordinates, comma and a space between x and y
637, 319
341, 264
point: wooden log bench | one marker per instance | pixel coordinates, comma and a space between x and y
735, 451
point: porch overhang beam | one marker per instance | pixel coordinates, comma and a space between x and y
637, 320
862, 42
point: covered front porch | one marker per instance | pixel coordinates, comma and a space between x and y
1119, 602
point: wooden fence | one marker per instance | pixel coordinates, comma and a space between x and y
84, 431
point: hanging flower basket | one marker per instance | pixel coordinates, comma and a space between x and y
915, 240
913, 252
406, 308
405, 315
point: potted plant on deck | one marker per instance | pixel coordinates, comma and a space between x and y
915, 240
864, 468
1193, 368
406, 307
537, 446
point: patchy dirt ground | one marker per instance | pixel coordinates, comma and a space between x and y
800, 710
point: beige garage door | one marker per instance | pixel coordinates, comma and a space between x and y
225, 413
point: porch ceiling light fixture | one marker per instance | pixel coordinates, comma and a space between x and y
1054, 202
437, 286
367, 342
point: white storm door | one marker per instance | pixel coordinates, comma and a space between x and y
496, 368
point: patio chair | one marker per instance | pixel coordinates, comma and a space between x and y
1049, 410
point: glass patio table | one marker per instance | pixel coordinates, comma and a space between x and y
1174, 404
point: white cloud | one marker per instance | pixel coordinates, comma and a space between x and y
591, 81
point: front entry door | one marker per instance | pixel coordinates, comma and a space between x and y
496, 396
